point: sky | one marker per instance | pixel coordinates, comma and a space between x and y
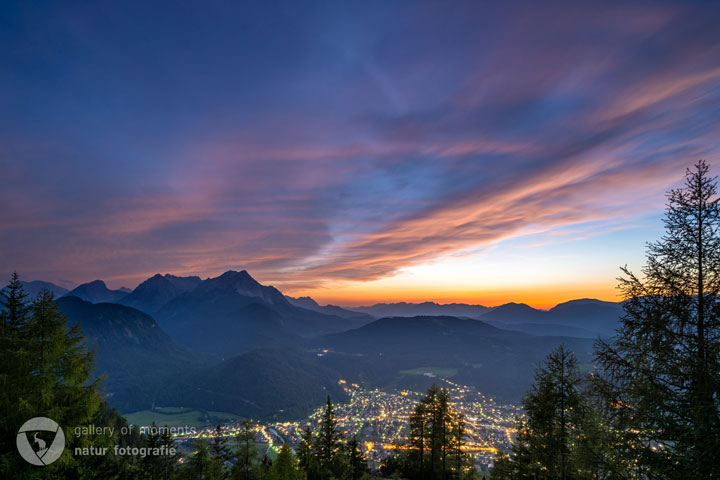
356, 152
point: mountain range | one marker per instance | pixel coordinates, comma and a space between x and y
32, 289
232, 344
310, 304
234, 313
96, 291
158, 290
403, 309
586, 318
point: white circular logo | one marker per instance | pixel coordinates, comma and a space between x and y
34, 449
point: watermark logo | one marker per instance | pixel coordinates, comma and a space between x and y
34, 449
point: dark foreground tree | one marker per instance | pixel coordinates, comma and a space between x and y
434, 443
45, 372
328, 442
548, 442
285, 466
159, 466
305, 454
327, 455
219, 447
357, 467
246, 452
661, 374
202, 464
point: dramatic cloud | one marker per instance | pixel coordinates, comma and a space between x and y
323, 143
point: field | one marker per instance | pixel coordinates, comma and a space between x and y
180, 417
434, 371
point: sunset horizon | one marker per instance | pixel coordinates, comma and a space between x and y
427, 162
540, 297
352, 240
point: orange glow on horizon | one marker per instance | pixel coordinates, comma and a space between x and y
537, 296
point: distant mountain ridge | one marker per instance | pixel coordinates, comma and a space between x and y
404, 309
310, 304
225, 315
96, 292
170, 298
511, 311
234, 313
583, 318
587, 318
33, 288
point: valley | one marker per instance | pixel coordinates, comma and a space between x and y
230, 344
378, 417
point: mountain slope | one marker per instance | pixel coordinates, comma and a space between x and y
158, 290
262, 384
546, 329
233, 313
96, 292
499, 362
136, 356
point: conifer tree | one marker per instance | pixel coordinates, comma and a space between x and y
460, 461
434, 441
14, 302
201, 465
246, 453
264, 469
219, 446
357, 463
285, 466
168, 460
661, 373
544, 447
159, 466
306, 458
14, 368
219, 451
329, 438
49, 376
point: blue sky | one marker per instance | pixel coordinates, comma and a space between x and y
353, 151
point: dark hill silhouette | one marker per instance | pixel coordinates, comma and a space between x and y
265, 383
514, 312
497, 361
588, 313
587, 318
133, 352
